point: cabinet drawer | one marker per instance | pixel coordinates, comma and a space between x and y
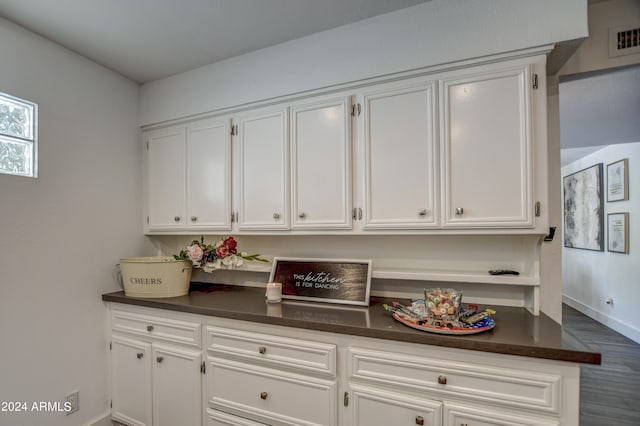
270, 396
532, 390
218, 418
272, 351
375, 407
171, 330
456, 415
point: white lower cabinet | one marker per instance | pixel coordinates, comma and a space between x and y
270, 378
155, 382
259, 374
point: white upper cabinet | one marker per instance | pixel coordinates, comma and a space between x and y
262, 171
188, 184
209, 175
452, 150
321, 164
400, 157
486, 139
166, 201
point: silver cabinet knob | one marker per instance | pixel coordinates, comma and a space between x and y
302, 215
423, 212
419, 420
194, 219
159, 359
176, 218
263, 395
149, 328
276, 216
459, 211
442, 380
262, 349
139, 355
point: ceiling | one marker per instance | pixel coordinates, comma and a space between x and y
146, 40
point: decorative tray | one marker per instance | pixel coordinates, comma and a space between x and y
479, 327
412, 315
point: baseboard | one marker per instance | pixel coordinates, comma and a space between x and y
104, 420
622, 328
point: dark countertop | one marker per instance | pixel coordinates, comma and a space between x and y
517, 332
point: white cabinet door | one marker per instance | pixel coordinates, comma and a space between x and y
400, 156
263, 171
177, 386
487, 148
131, 381
209, 175
166, 199
376, 407
321, 165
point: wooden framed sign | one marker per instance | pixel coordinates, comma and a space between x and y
344, 281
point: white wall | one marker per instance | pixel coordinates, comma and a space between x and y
62, 234
591, 277
435, 32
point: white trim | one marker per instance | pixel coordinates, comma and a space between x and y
105, 420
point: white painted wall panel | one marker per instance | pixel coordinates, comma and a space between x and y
435, 32
62, 234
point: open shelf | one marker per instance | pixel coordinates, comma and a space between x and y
455, 276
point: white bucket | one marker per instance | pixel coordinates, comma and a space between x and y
155, 276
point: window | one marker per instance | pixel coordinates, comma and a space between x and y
18, 138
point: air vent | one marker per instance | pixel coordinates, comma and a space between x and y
624, 40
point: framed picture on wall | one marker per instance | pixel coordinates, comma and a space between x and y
618, 232
618, 181
583, 214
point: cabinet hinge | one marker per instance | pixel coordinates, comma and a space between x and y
110, 346
147, 145
147, 220
234, 130
356, 109
535, 81
111, 404
345, 399
203, 368
538, 209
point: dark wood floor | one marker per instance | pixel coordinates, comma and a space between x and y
610, 392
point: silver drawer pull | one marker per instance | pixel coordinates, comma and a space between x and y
302, 215
442, 380
263, 395
422, 212
262, 349
459, 211
276, 216
149, 328
139, 355
176, 218
194, 219
159, 359
420, 420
